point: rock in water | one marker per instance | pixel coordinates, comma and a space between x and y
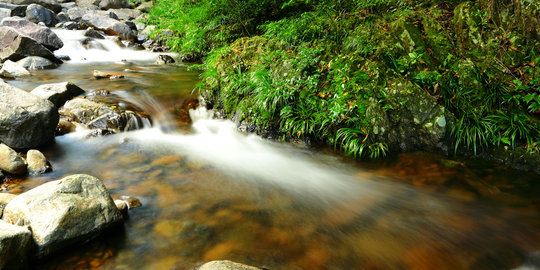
43, 35
164, 59
91, 32
107, 24
36, 63
26, 121
15, 245
58, 93
10, 161
37, 13
13, 70
226, 265
37, 163
60, 213
15, 46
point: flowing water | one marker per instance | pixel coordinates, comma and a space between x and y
209, 192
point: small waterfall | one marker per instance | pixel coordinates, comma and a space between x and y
109, 49
159, 115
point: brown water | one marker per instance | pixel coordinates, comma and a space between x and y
211, 193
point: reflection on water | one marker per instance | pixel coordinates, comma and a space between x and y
212, 193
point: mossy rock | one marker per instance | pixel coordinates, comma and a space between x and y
467, 25
414, 121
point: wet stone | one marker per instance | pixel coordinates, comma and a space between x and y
131, 202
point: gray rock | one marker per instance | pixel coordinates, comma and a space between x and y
62, 17
16, 10
15, 246
126, 14
91, 32
26, 121
13, 70
76, 13
37, 162
109, 25
68, 5
140, 26
58, 93
100, 116
107, 4
36, 13
10, 161
36, 63
15, 46
91, 4
63, 212
226, 265
164, 59
41, 34
71, 25
50, 4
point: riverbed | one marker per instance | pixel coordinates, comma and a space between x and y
209, 192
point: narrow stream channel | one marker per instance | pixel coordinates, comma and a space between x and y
210, 192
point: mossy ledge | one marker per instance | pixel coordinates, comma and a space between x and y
370, 77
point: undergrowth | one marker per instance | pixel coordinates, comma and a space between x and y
312, 69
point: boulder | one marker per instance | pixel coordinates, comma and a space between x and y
26, 121
15, 46
68, 5
226, 265
58, 93
15, 246
36, 13
16, 10
76, 13
41, 34
71, 25
13, 70
126, 14
91, 32
91, 4
36, 62
62, 17
145, 7
107, 4
37, 162
164, 59
100, 116
50, 4
10, 161
63, 212
107, 24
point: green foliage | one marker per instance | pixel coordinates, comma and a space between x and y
313, 67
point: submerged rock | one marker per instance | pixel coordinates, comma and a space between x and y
10, 161
43, 35
63, 212
37, 162
58, 93
15, 246
103, 74
13, 70
226, 265
36, 63
26, 121
15, 46
100, 116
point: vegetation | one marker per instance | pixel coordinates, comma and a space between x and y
369, 76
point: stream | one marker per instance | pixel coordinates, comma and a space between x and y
209, 192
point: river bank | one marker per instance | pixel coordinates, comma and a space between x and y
450, 77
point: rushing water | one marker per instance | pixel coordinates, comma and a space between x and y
209, 192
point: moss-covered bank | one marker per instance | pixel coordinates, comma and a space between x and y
370, 76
